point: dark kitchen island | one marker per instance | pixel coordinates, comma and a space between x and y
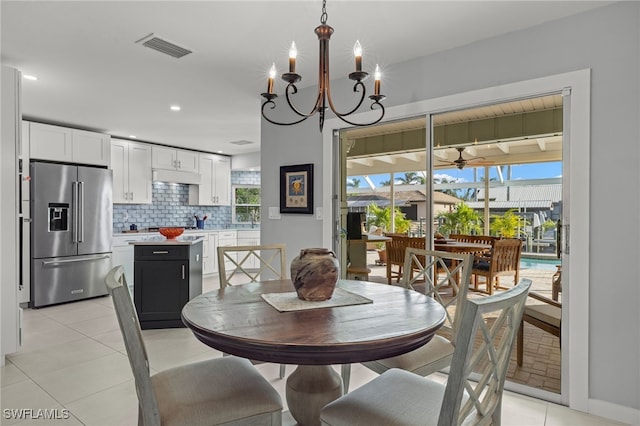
168, 273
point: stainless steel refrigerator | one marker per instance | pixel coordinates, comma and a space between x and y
71, 231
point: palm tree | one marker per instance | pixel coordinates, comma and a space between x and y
410, 178
385, 182
353, 183
463, 220
451, 192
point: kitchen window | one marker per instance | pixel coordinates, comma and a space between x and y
246, 204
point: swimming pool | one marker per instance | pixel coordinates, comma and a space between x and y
544, 264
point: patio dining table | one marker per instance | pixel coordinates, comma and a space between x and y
460, 246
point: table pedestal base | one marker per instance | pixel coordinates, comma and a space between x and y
309, 389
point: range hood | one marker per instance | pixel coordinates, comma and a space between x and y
175, 176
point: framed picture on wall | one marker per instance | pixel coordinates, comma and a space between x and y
296, 189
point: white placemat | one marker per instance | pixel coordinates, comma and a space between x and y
286, 302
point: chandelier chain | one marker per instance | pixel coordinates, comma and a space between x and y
324, 15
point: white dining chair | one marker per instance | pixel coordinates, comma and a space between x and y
225, 390
239, 265
473, 392
436, 270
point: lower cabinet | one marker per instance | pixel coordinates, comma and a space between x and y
166, 278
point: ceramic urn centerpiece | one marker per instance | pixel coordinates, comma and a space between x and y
315, 274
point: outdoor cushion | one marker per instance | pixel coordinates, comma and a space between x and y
545, 312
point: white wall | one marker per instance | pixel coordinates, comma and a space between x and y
9, 341
607, 41
300, 144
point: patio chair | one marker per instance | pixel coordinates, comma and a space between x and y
556, 283
481, 239
239, 265
396, 249
503, 261
473, 392
216, 391
451, 269
546, 314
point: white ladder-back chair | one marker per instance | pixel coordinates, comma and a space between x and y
245, 264
216, 391
473, 392
452, 270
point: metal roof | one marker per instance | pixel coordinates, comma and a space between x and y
552, 192
520, 204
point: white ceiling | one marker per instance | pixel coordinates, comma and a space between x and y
92, 74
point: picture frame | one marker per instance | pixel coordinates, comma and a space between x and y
296, 189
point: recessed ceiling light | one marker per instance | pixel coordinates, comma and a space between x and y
175, 107
133, 136
30, 77
219, 152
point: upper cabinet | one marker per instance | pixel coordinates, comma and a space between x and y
56, 143
215, 185
174, 159
131, 165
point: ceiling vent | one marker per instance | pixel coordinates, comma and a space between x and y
241, 142
154, 42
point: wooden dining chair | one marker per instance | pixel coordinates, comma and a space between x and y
215, 391
451, 270
395, 256
476, 239
504, 260
396, 249
239, 265
473, 392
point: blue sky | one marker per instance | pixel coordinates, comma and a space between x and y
519, 171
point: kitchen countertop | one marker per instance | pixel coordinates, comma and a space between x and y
160, 241
186, 231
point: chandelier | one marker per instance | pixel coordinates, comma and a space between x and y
323, 99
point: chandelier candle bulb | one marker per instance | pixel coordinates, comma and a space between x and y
357, 52
272, 76
293, 53
377, 75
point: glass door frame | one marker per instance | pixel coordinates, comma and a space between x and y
575, 325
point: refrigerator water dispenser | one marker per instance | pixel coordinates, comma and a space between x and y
58, 217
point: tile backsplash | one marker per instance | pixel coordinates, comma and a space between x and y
170, 207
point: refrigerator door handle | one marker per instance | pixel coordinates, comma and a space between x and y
60, 262
81, 209
74, 203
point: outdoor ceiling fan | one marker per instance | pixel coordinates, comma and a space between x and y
461, 162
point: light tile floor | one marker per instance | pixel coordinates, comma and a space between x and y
73, 358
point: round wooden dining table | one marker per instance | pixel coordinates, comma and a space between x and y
237, 320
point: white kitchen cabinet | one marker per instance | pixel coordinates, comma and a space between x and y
90, 147
56, 143
249, 238
131, 165
213, 252
208, 258
50, 142
122, 254
227, 239
174, 159
215, 185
